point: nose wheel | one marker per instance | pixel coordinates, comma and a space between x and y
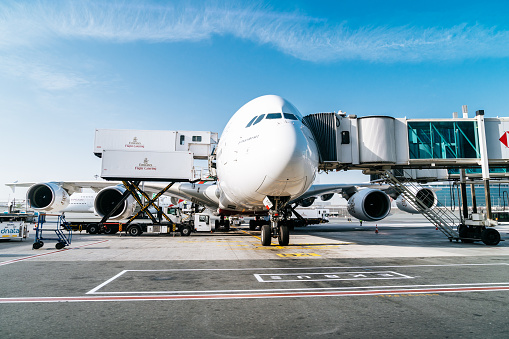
275, 229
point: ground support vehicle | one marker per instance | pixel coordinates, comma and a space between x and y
14, 225
61, 230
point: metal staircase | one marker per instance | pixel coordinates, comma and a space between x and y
446, 221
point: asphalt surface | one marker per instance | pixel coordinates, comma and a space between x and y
338, 279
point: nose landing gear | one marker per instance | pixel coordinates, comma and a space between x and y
277, 228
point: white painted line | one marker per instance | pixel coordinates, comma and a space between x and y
96, 289
264, 290
47, 253
311, 268
92, 291
254, 295
330, 276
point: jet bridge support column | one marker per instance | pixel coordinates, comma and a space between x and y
464, 201
484, 160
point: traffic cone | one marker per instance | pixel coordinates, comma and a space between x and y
376, 229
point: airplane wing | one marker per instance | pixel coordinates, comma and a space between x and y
70, 186
345, 189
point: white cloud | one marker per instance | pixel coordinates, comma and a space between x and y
304, 37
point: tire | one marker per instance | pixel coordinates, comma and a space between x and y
490, 237
185, 231
37, 245
59, 245
266, 235
283, 236
93, 229
227, 225
217, 225
252, 225
110, 229
134, 231
464, 233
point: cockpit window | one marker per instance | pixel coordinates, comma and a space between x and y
260, 118
290, 116
251, 122
273, 116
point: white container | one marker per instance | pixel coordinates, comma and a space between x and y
133, 140
147, 166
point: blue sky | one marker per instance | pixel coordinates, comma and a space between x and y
68, 67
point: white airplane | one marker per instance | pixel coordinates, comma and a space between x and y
266, 161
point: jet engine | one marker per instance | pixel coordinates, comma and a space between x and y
107, 199
307, 202
48, 197
326, 197
369, 205
426, 196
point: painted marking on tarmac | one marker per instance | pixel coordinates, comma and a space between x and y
252, 295
330, 276
293, 255
47, 253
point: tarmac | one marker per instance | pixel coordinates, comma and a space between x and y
335, 279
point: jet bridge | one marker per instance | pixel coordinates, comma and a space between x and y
382, 142
418, 150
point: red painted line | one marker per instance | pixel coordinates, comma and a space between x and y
250, 295
47, 253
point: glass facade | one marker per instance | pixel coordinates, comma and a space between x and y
450, 195
443, 139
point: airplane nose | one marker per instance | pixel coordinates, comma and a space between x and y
291, 163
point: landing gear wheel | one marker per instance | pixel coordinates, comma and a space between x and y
37, 245
217, 225
185, 231
227, 225
490, 237
252, 225
283, 236
266, 235
93, 228
59, 245
134, 231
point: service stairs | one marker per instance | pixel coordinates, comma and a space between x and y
440, 216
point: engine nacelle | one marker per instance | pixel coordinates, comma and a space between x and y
307, 202
426, 196
48, 197
369, 205
326, 197
107, 199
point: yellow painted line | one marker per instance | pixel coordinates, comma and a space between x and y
293, 255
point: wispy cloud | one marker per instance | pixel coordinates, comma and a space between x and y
304, 37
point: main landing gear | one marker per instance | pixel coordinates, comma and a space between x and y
277, 228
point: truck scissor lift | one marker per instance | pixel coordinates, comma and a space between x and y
61, 230
133, 189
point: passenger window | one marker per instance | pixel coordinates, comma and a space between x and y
274, 116
197, 138
251, 122
290, 116
260, 118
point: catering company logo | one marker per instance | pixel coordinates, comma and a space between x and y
145, 166
135, 144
